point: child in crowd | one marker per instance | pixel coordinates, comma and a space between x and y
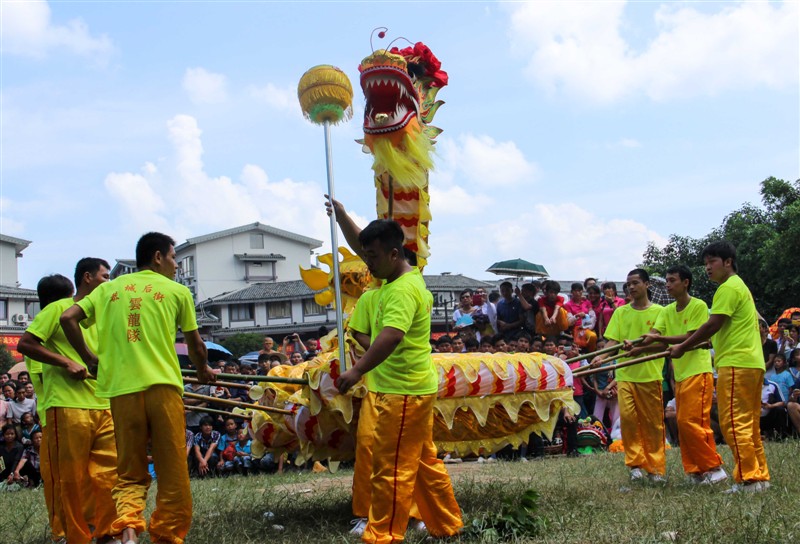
552, 317
206, 457
486, 345
499, 344
27, 470
28, 426
226, 446
444, 344
243, 459
10, 453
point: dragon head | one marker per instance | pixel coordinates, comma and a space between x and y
354, 278
400, 87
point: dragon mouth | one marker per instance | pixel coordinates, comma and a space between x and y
391, 100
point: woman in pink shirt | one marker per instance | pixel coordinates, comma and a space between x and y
609, 304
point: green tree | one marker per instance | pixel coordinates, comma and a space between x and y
242, 343
767, 240
6, 359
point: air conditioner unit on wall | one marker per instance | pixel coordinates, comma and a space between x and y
20, 319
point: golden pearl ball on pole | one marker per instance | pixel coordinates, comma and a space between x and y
325, 95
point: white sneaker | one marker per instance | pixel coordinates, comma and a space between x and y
448, 459
359, 524
657, 479
714, 476
749, 487
636, 474
418, 525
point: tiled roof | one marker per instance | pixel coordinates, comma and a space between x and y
18, 292
453, 282
258, 292
311, 242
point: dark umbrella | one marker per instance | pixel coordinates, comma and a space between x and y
519, 268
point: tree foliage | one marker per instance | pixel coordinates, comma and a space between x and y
6, 359
767, 241
243, 343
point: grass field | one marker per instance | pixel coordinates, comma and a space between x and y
582, 500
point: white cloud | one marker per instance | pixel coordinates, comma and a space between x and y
28, 30
279, 98
181, 198
578, 48
205, 87
454, 200
626, 143
482, 160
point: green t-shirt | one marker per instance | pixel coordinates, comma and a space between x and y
405, 304
738, 342
361, 319
137, 316
671, 322
628, 323
61, 391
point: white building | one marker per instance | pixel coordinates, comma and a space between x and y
233, 259
17, 305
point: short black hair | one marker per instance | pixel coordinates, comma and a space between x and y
722, 249
23, 373
594, 289
206, 420
90, 265
444, 340
587, 280
576, 287
147, 246
526, 335
506, 284
682, 271
551, 286
497, 338
641, 272
52, 288
263, 357
11, 426
471, 343
387, 232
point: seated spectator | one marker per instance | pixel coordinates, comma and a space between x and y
783, 378
189, 445
193, 417
28, 426
226, 446
568, 423
10, 453
595, 298
499, 344
793, 407
236, 393
773, 410
296, 358
512, 345
537, 346
243, 460
552, 317
604, 387
524, 342
444, 344
509, 312
205, 456
551, 346
486, 345
578, 307
471, 345
27, 471
458, 344
20, 405
794, 364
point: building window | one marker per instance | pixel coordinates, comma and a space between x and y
241, 312
3, 309
32, 308
310, 307
279, 310
256, 241
259, 271
187, 266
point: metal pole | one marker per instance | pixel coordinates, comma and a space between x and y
337, 286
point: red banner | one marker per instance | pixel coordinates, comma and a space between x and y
11, 342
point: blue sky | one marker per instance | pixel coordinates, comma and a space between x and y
574, 132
